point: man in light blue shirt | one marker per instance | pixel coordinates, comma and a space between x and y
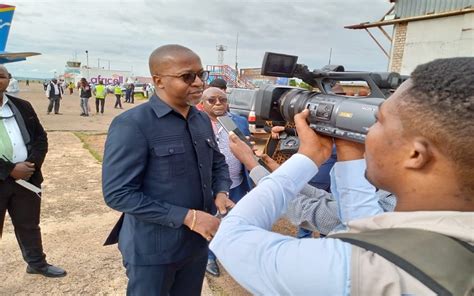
313, 208
282, 261
413, 150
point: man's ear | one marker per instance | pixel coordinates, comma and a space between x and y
420, 155
157, 81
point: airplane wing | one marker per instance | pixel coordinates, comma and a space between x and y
10, 57
6, 17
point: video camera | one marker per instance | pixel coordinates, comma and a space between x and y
338, 116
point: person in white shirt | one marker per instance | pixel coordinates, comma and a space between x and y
13, 86
23, 148
54, 92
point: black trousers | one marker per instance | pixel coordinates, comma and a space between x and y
23, 206
175, 279
54, 101
100, 102
118, 101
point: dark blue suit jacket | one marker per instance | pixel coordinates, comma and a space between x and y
158, 165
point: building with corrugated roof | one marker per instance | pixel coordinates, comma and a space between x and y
424, 30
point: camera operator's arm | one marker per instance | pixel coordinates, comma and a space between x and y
313, 209
268, 263
317, 210
355, 196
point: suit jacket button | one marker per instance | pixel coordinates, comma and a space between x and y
171, 224
171, 150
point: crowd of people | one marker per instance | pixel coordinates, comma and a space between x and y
395, 214
55, 90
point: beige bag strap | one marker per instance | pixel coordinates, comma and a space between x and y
442, 263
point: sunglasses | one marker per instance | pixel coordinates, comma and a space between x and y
190, 77
213, 100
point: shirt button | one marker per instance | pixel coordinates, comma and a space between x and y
204, 186
171, 224
200, 165
206, 209
195, 143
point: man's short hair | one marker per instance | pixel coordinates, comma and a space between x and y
219, 83
440, 106
162, 54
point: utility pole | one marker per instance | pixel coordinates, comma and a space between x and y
236, 55
87, 64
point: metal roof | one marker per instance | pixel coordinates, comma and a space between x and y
410, 8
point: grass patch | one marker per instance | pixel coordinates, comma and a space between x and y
140, 96
84, 137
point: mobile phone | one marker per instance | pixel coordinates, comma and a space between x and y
229, 126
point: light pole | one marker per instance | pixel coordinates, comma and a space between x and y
87, 63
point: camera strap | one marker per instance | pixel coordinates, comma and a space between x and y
442, 263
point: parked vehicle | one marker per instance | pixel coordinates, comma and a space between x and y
140, 89
242, 102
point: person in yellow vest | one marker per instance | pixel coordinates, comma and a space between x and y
100, 92
71, 87
118, 95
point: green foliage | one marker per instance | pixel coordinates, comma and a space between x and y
292, 82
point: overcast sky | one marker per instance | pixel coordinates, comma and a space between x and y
125, 32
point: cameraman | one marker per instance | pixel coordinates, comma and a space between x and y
313, 209
420, 149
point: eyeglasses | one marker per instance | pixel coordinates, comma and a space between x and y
213, 100
190, 77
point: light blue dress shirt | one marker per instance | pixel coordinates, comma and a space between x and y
268, 263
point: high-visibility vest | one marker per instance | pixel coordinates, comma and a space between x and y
100, 91
118, 90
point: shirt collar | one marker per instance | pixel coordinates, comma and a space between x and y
161, 108
5, 100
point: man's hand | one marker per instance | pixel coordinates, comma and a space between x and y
23, 170
312, 145
242, 151
204, 224
223, 203
270, 162
276, 130
347, 150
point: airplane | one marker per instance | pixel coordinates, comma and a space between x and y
6, 17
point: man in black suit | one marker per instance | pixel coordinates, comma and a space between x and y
23, 147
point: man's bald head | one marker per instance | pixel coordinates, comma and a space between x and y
213, 91
3, 70
165, 54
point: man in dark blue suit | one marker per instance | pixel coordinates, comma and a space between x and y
163, 169
214, 102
